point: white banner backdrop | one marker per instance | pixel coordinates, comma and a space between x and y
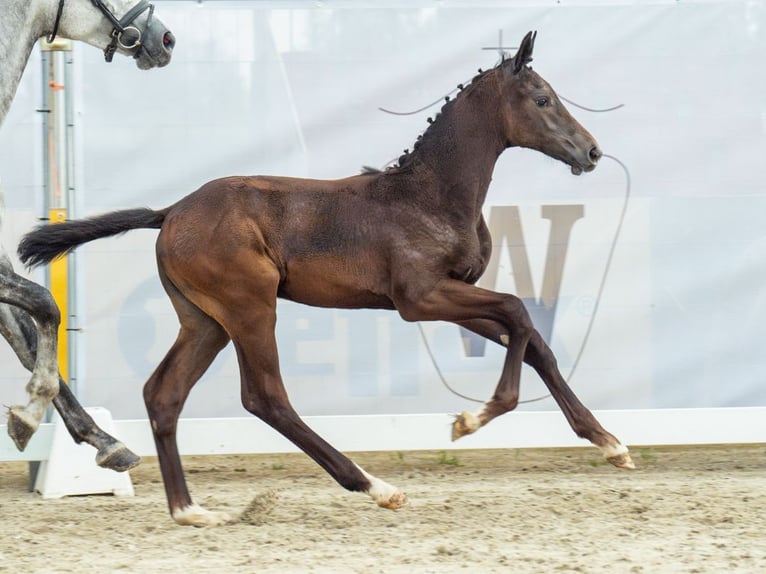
296, 89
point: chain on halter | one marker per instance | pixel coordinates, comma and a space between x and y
124, 34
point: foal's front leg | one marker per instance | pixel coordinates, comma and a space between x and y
506, 395
458, 302
539, 356
503, 319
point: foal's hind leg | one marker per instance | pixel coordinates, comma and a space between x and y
539, 356
199, 340
44, 384
249, 316
17, 328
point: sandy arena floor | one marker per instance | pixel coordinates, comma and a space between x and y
700, 509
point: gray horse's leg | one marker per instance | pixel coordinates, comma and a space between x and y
18, 329
111, 452
43, 386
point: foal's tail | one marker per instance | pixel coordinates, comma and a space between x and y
47, 242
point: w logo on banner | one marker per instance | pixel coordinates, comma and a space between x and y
505, 227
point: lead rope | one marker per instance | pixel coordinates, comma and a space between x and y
449, 94
602, 284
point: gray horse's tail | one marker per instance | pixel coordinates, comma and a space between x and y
47, 242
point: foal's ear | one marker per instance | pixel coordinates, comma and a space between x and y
524, 54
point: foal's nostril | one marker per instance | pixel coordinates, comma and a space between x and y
168, 40
594, 154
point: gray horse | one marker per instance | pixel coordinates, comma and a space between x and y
29, 317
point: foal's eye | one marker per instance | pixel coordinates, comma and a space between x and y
541, 102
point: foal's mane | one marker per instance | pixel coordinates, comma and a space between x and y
437, 122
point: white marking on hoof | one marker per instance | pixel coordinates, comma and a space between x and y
195, 515
465, 423
505, 339
384, 494
618, 455
614, 450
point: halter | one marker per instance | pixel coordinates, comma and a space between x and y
120, 27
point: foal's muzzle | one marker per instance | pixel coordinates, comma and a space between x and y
587, 164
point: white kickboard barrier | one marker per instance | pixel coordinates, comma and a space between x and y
71, 468
349, 433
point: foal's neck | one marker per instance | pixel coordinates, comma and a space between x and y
23, 22
463, 144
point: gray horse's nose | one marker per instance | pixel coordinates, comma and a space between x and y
594, 154
168, 41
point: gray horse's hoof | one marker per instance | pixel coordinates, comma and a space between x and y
117, 457
20, 427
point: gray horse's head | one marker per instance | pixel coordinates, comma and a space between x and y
128, 27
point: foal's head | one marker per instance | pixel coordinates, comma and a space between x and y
534, 117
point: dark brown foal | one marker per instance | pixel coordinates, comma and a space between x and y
411, 239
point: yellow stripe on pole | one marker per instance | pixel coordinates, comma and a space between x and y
60, 292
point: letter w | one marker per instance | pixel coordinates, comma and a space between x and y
505, 226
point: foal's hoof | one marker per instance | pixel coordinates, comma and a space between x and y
21, 426
394, 502
117, 457
464, 423
195, 515
622, 461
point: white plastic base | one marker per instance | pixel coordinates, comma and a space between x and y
71, 468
